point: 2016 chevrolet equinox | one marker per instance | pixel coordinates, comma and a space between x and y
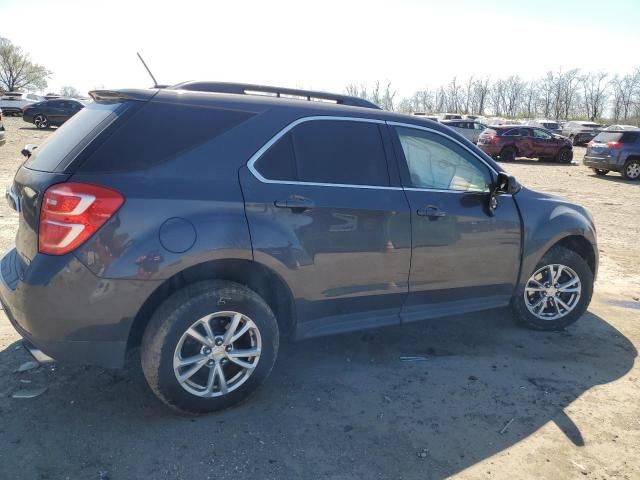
206, 220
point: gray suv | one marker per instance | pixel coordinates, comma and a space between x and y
206, 221
580, 132
617, 151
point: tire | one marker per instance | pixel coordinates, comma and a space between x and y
574, 266
166, 342
631, 169
565, 155
599, 171
508, 154
41, 121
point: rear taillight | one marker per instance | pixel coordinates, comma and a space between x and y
71, 213
493, 139
614, 144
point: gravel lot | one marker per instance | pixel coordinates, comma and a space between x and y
491, 400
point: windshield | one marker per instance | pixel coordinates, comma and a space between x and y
605, 137
69, 140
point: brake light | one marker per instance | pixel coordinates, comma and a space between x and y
73, 212
493, 138
614, 145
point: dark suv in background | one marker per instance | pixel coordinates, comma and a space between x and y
51, 113
507, 142
245, 218
617, 151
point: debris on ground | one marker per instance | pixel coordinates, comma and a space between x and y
415, 358
504, 429
29, 393
30, 365
423, 453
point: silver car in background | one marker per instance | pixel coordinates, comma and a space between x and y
467, 128
551, 125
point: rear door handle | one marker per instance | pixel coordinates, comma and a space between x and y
296, 203
431, 211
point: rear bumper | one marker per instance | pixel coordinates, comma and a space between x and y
11, 110
67, 312
602, 163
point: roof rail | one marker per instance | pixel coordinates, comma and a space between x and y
290, 93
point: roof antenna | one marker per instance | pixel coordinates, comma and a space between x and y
155, 83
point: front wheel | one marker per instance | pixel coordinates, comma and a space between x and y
209, 346
631, 170
565, 155
557, 293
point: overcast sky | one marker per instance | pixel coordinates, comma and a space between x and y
320, 45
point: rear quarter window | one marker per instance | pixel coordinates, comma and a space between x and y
65, 143
158, 132
604, 137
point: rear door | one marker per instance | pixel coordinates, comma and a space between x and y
327, 214
464, 259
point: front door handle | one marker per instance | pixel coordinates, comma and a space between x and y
431, 211
296, 203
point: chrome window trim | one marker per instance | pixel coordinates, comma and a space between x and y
251, 162
285, 130
420, 127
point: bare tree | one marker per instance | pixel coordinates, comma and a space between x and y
595, 93
480, 94
17, 71
69, 91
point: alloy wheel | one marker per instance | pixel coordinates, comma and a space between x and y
552, 292
40, 121
633, 170
217, 354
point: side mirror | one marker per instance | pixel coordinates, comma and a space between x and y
28, 149
505, 184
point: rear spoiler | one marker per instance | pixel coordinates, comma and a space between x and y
109, 96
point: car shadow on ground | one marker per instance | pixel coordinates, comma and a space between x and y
544, 163
337, 407
615, 178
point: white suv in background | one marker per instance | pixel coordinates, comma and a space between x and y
12, 103
467, 128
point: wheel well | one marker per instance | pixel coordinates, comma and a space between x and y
511, 145
632, 157
582, 247
255, 276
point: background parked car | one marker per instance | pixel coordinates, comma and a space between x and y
551, 125
617, 128
469, 129
580, 132
3, 139
615, 151
508, 142
51, 112
12, 103
449, 116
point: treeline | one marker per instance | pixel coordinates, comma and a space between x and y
558, 95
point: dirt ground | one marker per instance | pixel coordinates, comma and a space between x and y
491, 401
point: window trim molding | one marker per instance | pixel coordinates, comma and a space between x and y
254, 158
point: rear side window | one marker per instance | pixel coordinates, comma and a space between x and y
158, 132
328, 151
626, 137
73, 136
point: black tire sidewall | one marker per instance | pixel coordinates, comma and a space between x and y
508, 154
563, 256
177, 314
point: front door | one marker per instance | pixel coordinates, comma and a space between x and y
464, 259
324, 214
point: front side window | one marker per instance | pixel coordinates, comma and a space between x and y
339, 152
434, 162
541, 134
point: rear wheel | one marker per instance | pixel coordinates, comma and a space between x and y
508, 154
601, 172
557, 292
565, 155
209, 346
41, 121
631, 169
